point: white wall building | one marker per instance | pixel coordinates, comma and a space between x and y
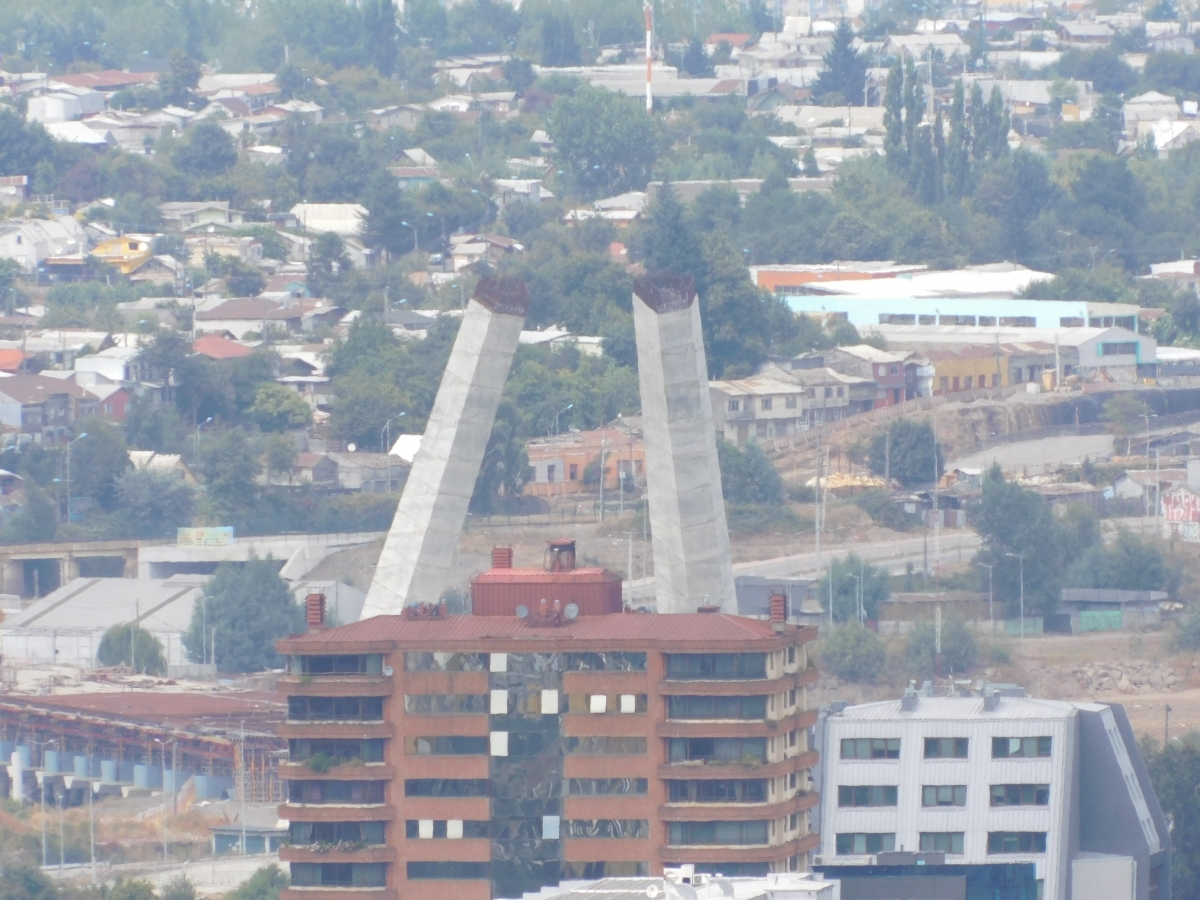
991, 781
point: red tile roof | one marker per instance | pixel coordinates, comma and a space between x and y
616, 629
216, 347
10, 360
109, 79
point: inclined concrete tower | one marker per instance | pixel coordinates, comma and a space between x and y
692, 565
419, 550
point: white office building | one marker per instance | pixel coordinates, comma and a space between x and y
1016, 796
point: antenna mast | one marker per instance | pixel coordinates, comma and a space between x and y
649, 11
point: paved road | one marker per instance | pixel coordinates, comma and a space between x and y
1043, 453
956, 546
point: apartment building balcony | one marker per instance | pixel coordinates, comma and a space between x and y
734, 811
311, 854
335, 686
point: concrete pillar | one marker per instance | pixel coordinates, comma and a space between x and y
692, 565
414, 566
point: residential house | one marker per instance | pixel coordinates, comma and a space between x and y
117, 364
214, 346
468, 249
621, 210
41, 409
354, 472
559, 464
967, 369
917, 46
12, 495
344, 219
407, 116
527, 191
148, 311
164, 463
65, 105
1149, 107
266, 154
1145, 485
125, 254
1181, 275
243, 316
779, 402
1180, 512
12, 189
98, 138
894, 374
112, 400
161, 269
306, 110
1084, 32
196, 216
243, 248
29, 242
413, 176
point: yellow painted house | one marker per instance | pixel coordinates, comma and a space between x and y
124, 254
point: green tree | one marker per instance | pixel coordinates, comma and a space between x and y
559, 47
906, 450
268, 881
328, 265
128, 644
605, 141
1124, 411
155, 426
844, 78
1128, 564
380, 35
853, 653
810, 168
279, 408
362, 405
1018, 533
207, 152
280, 454
666, 242
1174, 772
37, 521
959, 651
747, 476
180, 888
505, 468
250, 607
97, 461
849, 576
228, 465
153, 504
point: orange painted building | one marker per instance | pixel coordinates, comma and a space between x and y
558, 463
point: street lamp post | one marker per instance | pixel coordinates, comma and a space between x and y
385, 433
69, 443
162, 743
566, 408
1020, 557
1145, 485
198, 429
857, 596
416, 240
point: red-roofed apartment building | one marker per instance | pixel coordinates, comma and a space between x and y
546, 736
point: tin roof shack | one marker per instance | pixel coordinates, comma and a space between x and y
754, 598
501, 590
1107, 609
1063, 493
901, 612
114, 739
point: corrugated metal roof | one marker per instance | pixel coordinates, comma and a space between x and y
96, 603
959, 708
541, 576
166, 707
680, 627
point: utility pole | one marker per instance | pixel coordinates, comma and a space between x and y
887, 460
242, 765
602, 444
91, 789
937, 510
991, 614
1166, 725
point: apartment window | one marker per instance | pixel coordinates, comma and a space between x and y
453, 829
944, 381
688, 834
607, 787
366, 664
303, 833
731, 750
944, 795
454, 745
445, 704
339, 874
946, 748
735, 405
616, 661
335, 709
446, 787
871, 748
574, 472
789, 402
872, 795
955, 383
1020, 795
828, 392
606, 746
721, 790
341, 750
446, 662
861, 844
607, 828
716, 666
550, 472
1016, 842
719, 707
457, 871
791, 655
841, 392
321, 792
1020, 748
942, 842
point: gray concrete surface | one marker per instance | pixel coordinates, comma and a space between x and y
1033, 457
687, 510
415, 565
